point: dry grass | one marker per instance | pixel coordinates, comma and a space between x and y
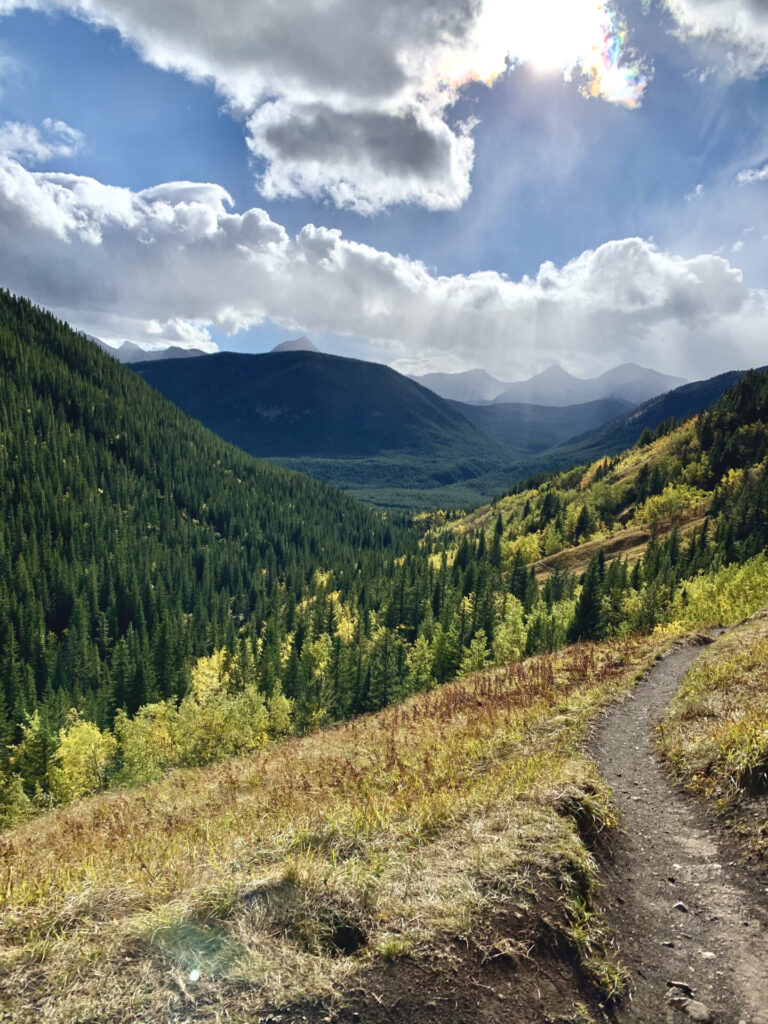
715, 732
265, 875
629, 544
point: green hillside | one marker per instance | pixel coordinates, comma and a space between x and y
358, 425
306, 403
133, 540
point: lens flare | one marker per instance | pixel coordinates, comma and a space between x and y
583, 38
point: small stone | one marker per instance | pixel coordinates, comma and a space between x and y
708, 955
681, 986
669, 944
681, 907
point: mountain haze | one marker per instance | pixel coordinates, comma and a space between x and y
473, 386
625, 430
555, 386
534, 428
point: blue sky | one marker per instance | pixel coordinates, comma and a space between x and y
648, 217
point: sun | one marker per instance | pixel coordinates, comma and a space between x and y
550, 36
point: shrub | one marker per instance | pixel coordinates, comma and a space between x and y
83, 762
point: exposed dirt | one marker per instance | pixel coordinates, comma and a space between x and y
672, 852
630, 545
518, 970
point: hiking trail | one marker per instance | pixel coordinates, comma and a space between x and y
680, 905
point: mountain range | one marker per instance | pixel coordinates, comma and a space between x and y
130, 353
385, 438
359, 425
553, 386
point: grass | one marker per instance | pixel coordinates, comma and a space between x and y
715, 732
284, 875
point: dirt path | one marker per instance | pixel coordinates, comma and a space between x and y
670, 853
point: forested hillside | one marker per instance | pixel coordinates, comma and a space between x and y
189, 602
355, 424
133, 541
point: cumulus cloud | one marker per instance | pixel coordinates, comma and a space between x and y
168, 263
31, 144
362, 159
351, 99
739, 28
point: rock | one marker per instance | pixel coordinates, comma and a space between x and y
679, 1001
681, 986
697, 1011
681, 907
669, 944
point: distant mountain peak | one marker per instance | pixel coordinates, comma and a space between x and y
557, 387
301, 344
129, 352
474, 386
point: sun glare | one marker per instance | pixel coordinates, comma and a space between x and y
582, 36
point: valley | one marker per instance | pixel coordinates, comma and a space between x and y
387, 440
383, 512
324, 760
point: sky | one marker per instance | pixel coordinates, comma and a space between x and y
432, 185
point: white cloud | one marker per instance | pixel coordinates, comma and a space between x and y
351, 99
752, 174
738, 28
30, 144
170, 262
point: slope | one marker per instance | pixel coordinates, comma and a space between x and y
708, 959
439, 838
351, 422
625, 430
536, 428
131, 537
